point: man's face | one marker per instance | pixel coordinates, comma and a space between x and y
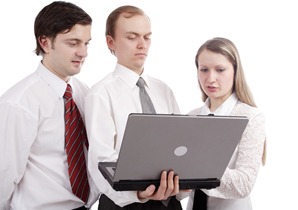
131, 42
65, 55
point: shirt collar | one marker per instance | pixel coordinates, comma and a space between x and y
224, 109
58, 85
130, 77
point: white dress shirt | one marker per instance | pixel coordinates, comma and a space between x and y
241, 173
107, 107
33, 162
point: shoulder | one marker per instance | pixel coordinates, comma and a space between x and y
243, 109
24, 97
22, 89
106, 85
155, 80
105, 82
157, 83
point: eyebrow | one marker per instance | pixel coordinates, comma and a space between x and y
77, 40
137, 34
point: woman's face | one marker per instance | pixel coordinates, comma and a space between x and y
215, 75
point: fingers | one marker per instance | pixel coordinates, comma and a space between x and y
169, 186
160, 193
176, 186
173, 185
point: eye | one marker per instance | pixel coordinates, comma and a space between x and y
148, 37
131, 37
220, 69
203, 69
72, 43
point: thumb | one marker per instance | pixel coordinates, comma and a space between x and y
147, 193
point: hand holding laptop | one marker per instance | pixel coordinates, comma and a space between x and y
169, 186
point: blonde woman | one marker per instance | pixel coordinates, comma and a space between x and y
225, 92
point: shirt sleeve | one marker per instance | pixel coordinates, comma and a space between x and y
101, 132
17, 133
238, 179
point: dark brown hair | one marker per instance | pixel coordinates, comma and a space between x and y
58, 17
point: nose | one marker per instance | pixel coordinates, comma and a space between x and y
142, 44
82, 51
211, 78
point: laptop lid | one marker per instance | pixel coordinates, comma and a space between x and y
197, 148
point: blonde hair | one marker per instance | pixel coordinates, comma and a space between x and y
228, 49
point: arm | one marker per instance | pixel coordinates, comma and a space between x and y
238, 181
17, 133
101, 130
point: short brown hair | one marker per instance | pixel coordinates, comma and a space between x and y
127, 11
56, 18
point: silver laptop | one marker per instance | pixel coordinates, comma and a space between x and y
198, 149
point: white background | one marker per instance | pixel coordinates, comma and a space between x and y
265, 33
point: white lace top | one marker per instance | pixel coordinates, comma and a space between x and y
240, 176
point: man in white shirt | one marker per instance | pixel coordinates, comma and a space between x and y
33, 162
110, 101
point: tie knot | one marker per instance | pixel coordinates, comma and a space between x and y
141, 82
68, 92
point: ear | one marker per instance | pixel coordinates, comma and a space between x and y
110, 43
45, 43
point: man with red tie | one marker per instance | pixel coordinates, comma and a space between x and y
42, 136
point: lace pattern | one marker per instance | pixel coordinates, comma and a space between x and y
242, 171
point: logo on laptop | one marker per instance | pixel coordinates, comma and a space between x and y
180, 151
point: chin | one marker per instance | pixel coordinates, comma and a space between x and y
75, 72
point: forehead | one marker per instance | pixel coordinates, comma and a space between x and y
208, 57
139, 24
78, 32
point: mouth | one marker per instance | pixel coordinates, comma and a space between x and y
211, 88
78, 63
141, 54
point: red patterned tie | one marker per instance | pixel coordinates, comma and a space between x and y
75, 138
